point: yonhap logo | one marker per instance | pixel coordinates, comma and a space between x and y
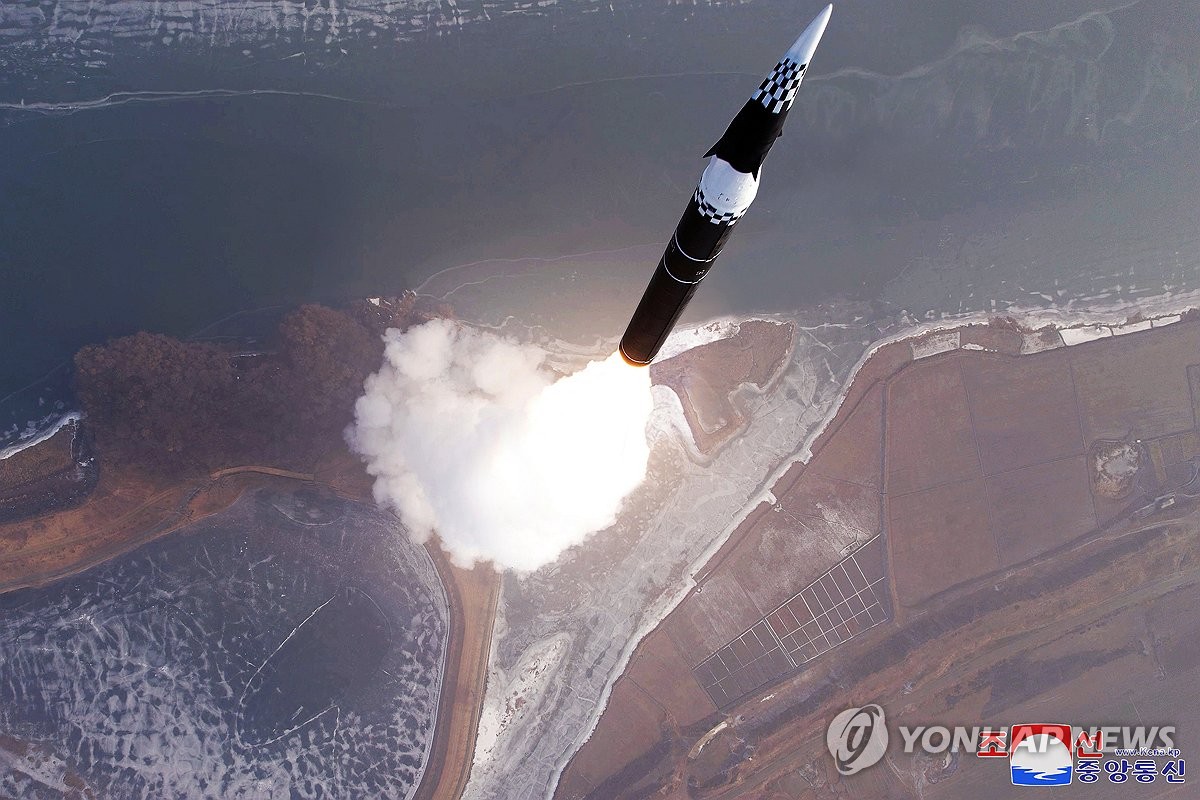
1040, 754
857, 738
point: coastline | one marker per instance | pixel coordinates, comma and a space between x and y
1117, 320
39, 436
1114, 317
471, 596
1030, 538
176, 507
171, 508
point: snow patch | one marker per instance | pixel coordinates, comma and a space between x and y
529, 679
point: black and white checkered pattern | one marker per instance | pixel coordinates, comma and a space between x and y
710, 213
778, 90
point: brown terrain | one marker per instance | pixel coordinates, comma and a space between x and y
66, 505
85, 515
59, 472
473, 597
711, 380
951, 494
123, 511
127, 510
980, 537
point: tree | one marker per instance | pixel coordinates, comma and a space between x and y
152, 399
325, 356
179, 408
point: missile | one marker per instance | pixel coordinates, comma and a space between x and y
726, 190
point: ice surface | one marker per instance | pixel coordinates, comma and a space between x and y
134, 675
599, 603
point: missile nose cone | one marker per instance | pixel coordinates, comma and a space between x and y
726, 190
802, 51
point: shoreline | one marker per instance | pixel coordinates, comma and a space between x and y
1116, 318
194, 500
42, 435
471, 597
1111, 317
718, 327
176, 516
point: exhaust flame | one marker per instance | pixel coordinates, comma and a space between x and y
467, 435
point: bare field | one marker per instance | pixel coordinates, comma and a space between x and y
855, 453
1092, 658
811, 526
1037, 508
654, 668
929, 438
642, 721
720, 609
1136, 386
1023, 410
948, 520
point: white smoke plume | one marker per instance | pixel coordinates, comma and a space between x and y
469, 436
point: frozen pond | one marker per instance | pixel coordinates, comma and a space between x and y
289, 647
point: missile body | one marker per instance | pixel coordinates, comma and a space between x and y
726, 189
